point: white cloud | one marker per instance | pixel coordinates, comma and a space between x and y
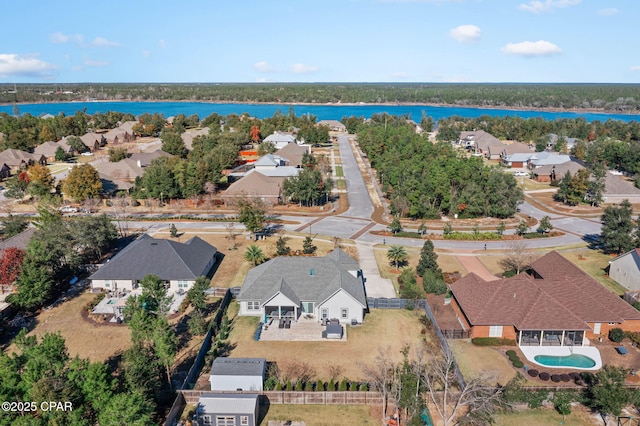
608, 12
162, 43
303, 69
635, 68
94, 63
146, 54
465, 33
538, 6
532, 48
24, 65
60, 38
263, 66
103, 42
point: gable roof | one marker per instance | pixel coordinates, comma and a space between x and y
481, 139
545, 157
126, 169
560, 169
516, 148
188, 137
20, 240
15, 157
313, 279
635, 255
48, 149
224, 366
227, 403
170, 260
268, 160
560, 297
280, 137
143, 159
294, 153
256, 184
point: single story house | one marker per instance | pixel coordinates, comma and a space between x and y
333, 125
143, 159
232, 374
119, 176
93, 141
226, 409
189, 136
280, 139
554, 304
177, 264
618, 187
625, 270
482, 143
329, 287
515, 148
549, 173
293, 153
552, 140
16, 159
122, 134
256, 185
533, 160
48, 149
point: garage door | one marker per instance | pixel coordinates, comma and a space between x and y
225, 421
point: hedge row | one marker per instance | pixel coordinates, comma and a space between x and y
492, 341
515, 359
320, 386
472, 236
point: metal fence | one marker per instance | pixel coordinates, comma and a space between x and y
384, 303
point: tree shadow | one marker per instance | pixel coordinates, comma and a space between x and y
225, 349
593, 240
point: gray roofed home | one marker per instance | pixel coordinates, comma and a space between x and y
294, 153
321, 287
552, 172
177, 263
238, 373
143, 159
280, 139
17, 159
189, 136
228, 409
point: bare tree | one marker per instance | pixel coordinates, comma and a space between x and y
475, 398
335, 371
232, 234
381, 375
121, 214
518, 257
293, 371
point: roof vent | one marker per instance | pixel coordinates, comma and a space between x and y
312, 272
154, 244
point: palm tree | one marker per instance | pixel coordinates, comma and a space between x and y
397, 254
254, 254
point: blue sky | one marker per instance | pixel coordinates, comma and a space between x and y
321, 41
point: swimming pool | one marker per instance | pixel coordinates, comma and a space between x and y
569, 361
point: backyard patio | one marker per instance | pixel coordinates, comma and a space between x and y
305, 329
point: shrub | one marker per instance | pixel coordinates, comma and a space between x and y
565, 377
575, 376
331, 387
299, 386
511, 353
278, 386
533, 373
344, 386
289, 386
319, 386
556, 378
544, 376
270, 383
364, 387
517, 363
308, 387
492, 341
616, 335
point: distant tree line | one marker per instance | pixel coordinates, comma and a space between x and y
425, 180
606, 97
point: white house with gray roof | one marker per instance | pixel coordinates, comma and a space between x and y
232, 374
177, 264
329, 287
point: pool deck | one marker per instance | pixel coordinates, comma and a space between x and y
530, 352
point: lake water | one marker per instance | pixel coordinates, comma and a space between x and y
322, 112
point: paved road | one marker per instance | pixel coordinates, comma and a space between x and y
359, 202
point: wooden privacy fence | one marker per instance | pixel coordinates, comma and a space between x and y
299, 397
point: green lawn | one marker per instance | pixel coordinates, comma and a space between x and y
594, 262
339, 171
320, 414
341, 184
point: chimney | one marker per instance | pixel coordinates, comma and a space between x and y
139, 164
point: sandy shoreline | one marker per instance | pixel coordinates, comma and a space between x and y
347, 104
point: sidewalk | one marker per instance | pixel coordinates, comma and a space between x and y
471, 263
376, 285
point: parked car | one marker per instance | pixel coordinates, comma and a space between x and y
87, 154
68, 209
520, 173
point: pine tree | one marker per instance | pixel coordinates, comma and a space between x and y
308, 247
428, 260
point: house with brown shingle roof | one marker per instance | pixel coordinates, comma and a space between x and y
188, 137
555, 304
255, 185
551, 172
293, 153
16, 159
333, 125
120, 175
482, 143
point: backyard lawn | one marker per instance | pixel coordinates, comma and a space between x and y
547, 417
477, 361
320, 415
384, 329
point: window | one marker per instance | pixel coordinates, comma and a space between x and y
495, 331
253, 306
225, 421
183, 284
307, 307
107, 283
244, 420
325, 313
344, 313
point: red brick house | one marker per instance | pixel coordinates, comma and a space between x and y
555, 304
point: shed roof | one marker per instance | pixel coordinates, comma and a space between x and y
225, 403
224, 366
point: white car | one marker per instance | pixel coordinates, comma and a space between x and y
87, 154
68, 209
518, 174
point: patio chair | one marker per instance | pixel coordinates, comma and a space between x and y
281, 324
287, 324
